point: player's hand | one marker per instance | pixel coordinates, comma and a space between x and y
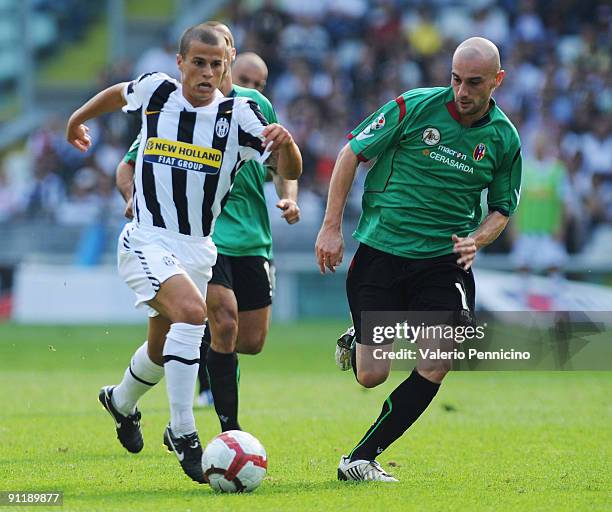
291, 211
276, 136
129, 212
466, 248
78, 136
329, 248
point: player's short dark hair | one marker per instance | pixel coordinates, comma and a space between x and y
203, 33
228, 33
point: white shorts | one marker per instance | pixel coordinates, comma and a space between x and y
147, 256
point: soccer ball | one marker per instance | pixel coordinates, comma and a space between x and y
235, 461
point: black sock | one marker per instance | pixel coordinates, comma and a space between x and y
400, 410
354, 358
223, 375
202, 373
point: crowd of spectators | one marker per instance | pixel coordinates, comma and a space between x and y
333, 62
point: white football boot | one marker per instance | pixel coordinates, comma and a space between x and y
344, 346
362, 470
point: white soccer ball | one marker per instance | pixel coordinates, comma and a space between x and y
235, 461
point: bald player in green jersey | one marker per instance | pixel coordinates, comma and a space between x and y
239, 294
435, 151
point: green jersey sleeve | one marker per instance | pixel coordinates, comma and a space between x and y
380, 131
264, 103
130, 156
504, 192
267, 109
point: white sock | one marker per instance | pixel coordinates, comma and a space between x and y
140, 376
181, 364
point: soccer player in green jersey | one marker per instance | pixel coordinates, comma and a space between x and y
239, 294
435, 150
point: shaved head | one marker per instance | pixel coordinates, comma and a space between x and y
250, 70
250, 59
480, 51
476, 73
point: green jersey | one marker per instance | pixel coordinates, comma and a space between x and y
542, 190
426, 182
243, 227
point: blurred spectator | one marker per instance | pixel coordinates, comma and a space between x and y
8, 200
579, 203
47, 190
423, 34
597, 147
333, 62
84, 205
159, 58
539, 221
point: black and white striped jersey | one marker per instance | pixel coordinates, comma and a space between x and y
189, 156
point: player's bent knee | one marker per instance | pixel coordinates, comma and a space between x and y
224, 328
371, 379
226, 325
251, 346
251, 343
190, 312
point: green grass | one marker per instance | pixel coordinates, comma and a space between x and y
513, 441
150, 9
79, 64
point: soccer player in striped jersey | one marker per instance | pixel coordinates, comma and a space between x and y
239, 292
194, 142
436, 149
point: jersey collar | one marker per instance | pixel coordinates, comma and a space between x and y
232, 93
452, 110
217, 95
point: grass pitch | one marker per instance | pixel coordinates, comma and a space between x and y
490, 441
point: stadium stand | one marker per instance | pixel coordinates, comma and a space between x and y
331, 63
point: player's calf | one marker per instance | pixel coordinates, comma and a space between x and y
371, 378
373, 367
435, 375
252, 330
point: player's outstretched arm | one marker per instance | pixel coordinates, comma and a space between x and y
329, 247
466, 247
278, 139
108, 100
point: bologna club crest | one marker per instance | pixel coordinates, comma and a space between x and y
479, 152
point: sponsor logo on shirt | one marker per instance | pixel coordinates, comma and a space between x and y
431, 136
479, 152
182, 155
377, 124
450, 157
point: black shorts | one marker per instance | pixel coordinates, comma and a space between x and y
250, 277
379, 281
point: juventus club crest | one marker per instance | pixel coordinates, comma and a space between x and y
222, 127
431, 136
